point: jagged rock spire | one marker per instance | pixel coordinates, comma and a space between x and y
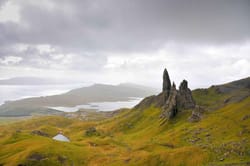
166, 81
183, 85
185, 98
171, 100
173, 85
176, 100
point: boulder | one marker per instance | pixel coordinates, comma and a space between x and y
37, 157
91, 131
196, 114
40, 133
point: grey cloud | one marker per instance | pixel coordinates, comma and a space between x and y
130, 25
89, 32
33, 57
2, 2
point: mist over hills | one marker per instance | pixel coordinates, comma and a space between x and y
93, 93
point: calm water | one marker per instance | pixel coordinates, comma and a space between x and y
102, 106
15, 92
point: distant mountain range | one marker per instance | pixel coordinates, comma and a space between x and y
94, 93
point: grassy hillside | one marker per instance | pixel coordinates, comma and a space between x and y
220, 95
132, 138
135, 137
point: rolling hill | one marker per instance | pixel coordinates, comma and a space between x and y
136, 136
94, 93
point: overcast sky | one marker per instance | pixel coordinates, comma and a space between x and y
113, 41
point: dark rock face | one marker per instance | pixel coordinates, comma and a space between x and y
170, 107
175, 100
171, 100
185, 98
166, 87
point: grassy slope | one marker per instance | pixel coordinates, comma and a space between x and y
8, 120
135, 138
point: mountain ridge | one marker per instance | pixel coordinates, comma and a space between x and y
79, 96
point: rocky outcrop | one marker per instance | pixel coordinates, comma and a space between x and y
40, 133
175, 100
36, 157
185, 98
170, 108
196, 114
171, 100
91, 131
166, 86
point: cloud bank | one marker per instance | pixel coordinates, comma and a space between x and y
116, 41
